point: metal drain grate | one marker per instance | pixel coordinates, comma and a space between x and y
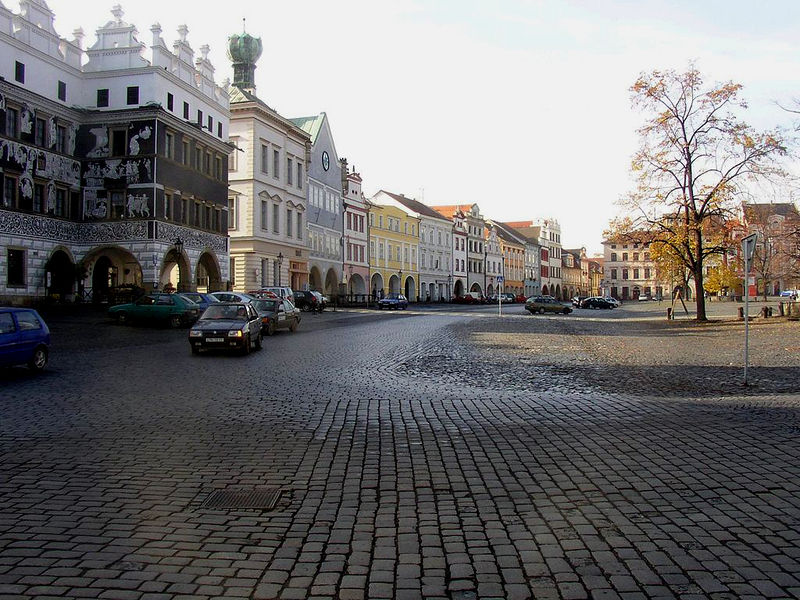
258, 498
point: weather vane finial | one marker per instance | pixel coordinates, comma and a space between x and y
244, 29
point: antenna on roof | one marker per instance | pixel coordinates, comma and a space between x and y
244, 29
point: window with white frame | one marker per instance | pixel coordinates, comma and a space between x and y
233, 212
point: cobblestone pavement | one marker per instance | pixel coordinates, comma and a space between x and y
420, 454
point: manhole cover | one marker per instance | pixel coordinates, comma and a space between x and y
259, 498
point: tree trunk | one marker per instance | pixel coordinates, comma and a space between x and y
700, 292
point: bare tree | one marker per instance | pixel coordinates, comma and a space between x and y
695, 158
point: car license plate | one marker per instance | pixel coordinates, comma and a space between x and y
215, 340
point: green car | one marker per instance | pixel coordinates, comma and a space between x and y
169, 309
544, 304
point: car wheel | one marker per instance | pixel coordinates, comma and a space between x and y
259, 341
566, 311
305, 308
541, 310
39, 359
122, 318
175, 321
246, 345
195, 349
271, 328
293, 326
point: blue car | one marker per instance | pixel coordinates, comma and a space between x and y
199, 298
24, 338
393, 300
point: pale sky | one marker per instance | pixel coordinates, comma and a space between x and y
519, 105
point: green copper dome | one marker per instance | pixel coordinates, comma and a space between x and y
244, 50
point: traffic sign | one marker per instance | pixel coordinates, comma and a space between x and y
499, 279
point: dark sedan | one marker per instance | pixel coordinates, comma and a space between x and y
393, 300
596, 302
307, 301
24, 338
227, 326
276, 314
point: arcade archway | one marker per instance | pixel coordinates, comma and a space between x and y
315, 279
357, 285
109, 267
377, 285
410, 289
60, 273
209, 277
331, 283
175, 271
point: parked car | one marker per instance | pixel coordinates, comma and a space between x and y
543, 304
508, 298
232, 296
262, 294
307, 301
322, 299
466, 299
520, 298
276, 314
613, 301
199, 298
171, 309
393, 300
227, 326
596, 302
281, 291
576, 301
478, 297
24, 338
790, 294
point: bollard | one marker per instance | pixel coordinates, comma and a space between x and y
741, 313
780, 309
764, 312
669, 314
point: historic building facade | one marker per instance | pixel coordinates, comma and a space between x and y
512, 245
267, 172
325, 207
492, 260
459, 276
630, 272
114, 167
393, 250
356, 236
476, 258
435, 245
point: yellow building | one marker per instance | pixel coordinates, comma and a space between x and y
513, 249
393, 250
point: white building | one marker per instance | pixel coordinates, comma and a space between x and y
267, 173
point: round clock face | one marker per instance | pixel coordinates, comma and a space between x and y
326, 161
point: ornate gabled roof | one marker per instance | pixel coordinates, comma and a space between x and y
507, 233
241, 96
415, 205
311, 125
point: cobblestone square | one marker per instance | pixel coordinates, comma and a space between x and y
423, 454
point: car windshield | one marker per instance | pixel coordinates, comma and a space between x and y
265, 305
236, 312
393, 296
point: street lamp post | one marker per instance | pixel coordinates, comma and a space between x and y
280, 264
449, 288
400, 284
